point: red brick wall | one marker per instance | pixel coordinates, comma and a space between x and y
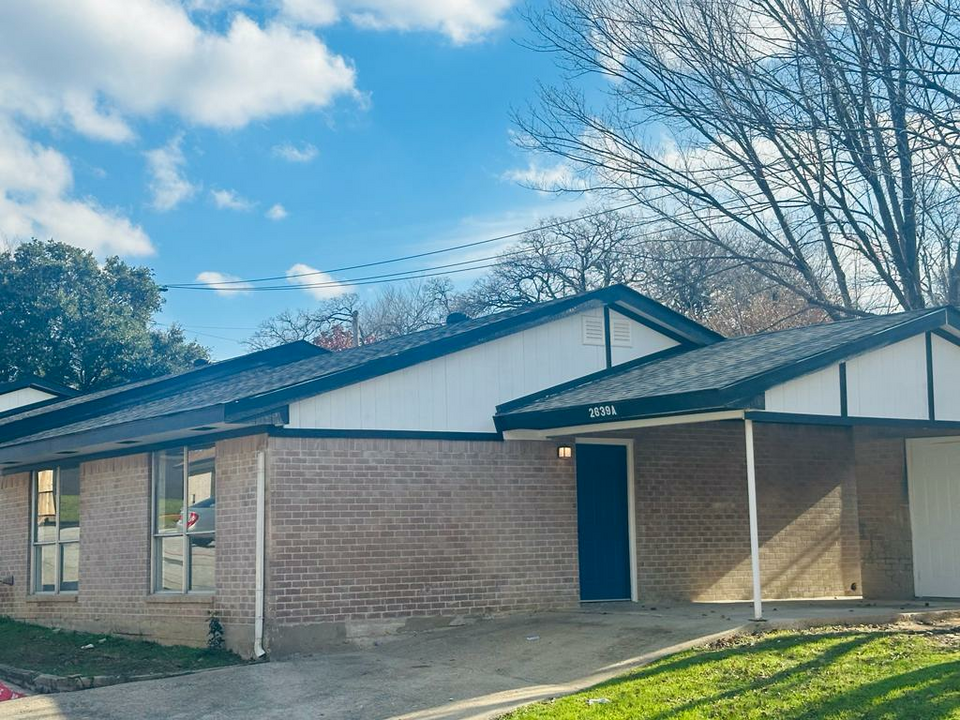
114, 591
373, 531
693, 537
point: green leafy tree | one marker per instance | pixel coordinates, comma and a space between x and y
65, 317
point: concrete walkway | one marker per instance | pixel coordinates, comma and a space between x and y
475, 671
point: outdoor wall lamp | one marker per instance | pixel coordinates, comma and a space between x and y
564, 452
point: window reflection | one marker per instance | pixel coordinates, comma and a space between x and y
56, 535
185, 505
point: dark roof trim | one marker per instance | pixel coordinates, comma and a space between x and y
32, 406
143, 391
667, 322
444, 346
39, 383
635, 409
113, 433
949, 337
744, 394
386, 434
848, 421
136, 449
258, 430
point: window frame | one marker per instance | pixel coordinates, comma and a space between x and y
57, 543
156, 560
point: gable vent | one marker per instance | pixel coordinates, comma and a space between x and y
592, 330
621, 332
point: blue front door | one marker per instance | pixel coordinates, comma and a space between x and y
602, 522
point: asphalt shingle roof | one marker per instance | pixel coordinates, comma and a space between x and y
208, 386
714, 367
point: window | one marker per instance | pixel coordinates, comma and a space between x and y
184, 520
56, 530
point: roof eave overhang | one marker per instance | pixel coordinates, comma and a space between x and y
607, 411
619, 426
191, 423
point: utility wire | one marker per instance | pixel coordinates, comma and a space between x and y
196, 332
344, 283
463, 246
385, 277
397, 276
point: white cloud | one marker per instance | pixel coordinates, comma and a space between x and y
223, 283
230, 200
93, 122
546, 178
214, 6
301, 274
311, 12
99, 66
168, 185
277, 212
462, 21
36, 201
100, 62
291, 153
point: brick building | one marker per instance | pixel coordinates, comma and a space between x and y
599, 447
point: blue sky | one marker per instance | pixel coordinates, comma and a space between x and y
216, 138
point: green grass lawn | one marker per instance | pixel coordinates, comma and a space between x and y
32, 647
837, 673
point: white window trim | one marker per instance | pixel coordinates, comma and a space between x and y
57, 543
185, 535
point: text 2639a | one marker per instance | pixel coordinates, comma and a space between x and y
601, 411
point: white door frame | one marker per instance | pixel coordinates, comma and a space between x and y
631, 503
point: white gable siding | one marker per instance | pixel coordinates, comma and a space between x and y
630, 340
459, 392
890, 382
24, 396
946, 379
815, 394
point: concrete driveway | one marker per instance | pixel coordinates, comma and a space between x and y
475, 671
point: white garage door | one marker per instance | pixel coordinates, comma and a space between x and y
933, 467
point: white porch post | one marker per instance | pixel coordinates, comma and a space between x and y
754, 530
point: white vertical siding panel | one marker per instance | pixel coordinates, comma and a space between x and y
21, 397
817, 393
946, 379
890, 382
459, 392
646, 341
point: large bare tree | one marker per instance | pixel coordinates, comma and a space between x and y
562, 257
812, 141
396, 309
559, 258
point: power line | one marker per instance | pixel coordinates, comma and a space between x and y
196, 332
463, 246
385, 277
374, 280
397, 276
